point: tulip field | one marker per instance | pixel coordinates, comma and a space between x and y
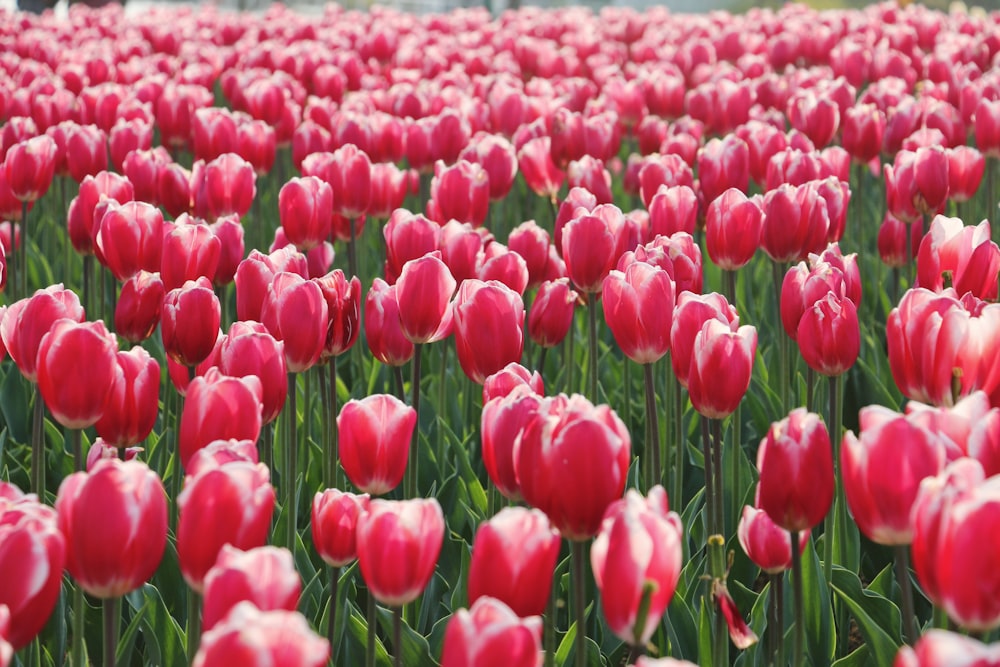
561, 338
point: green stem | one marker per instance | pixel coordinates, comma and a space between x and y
79, 623
653, 465
578, 557
330, 458
810, 389
549, 628
267, 446
193, 623
397, 374
798, 659
370, 654
397, 637
720, 491
411, 480
111, 614
291, 464
352, 250
540, 363
441, 383
677, 494
906, 592
23, 249
784, 350
331, 628
38, 446
778, 619
710, 497
592, 357
569, 360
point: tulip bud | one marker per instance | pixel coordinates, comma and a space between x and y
374, 441
488, 326
218, 407
189, 322
383, 328
423, 294
490, 631
77, 371
639, 308
767, 544
721, 367
551, 313
133, 403
250, 636
335, 517
264, 576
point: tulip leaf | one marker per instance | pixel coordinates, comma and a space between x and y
161, 633
857, 658
877, 617
705, 634
681, 630
416, 650
14, 403
126, 641
566, 653
353, 651
846, 537
818, 612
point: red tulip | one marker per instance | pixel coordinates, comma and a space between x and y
462, 249
662, 169
32, 556
296, 313
343, 301
231, 504
86, 151
130, 239
77, 371
255, 274
423, 293
513, 560
213, 133
257, 144
732, 229
388, 189
965, 172
127, 136
222, 452
588, 246
816, 116
189, 322
637, 559
137, 311
589, 173
490, 634
264, 576
673, 209
723, 164
829, 335
114, 519
862, 130
101, 450
488, 326
173, 188
572, 463
133, 402
217, 408
763, 141
882, 470
398, 547
796, 223
963, 255
678, 255
249, 636
30, 166
81, 224
190, 251
987, 126
509, 378
28, 320
539, 170
249, 350
765, 543
305, 206
497, 157
938, 648
690, 315
383, 329
639, 308
721, 366
460, 192
142, 169
335, 517
407, 236
374, 441
796, 471
551, 313
971, 428
916, 183
502, 423
531, 242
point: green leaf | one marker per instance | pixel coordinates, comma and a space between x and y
161, 633
857, 658
818, 613
353, 651
877, 617
416, 650
681, 630
705, 634
14, 403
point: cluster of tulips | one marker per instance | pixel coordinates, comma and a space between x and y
198, 384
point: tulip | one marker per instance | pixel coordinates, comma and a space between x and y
213, 133
305, 206
532, 243
218, 408
690, 315
961, 255
829, 335
190, 251
721, 367
589, 173
662, 169
398, 547
137, 312
295, 312
28, 320
142, 169
488, 324
250, 636
965, 172
588, 246
388, 189
540, 172
117, 554
796, 223
862, 130
639, 307
133, 403
80, 222
513, 559
30, 166
383, 328
460, 192
350, 181
971, 428
335, 517
173, 188
343, 301
678, 255
189, 322
32, 556
503, 421
497, 157
221, 452
796, 471
882, 470
256, 273
463, 249
249, 350
765, 543
101, 450
127, 136
673, 209
490, 633
130, 239
572, 463
257, 144
407, 236
637, 560
508, 379
723, 164
264, 576
231, 504
732, 229
374, 440
77, 371
916, 183
551, 313
423, 294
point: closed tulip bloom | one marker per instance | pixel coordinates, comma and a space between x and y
916, 183
677, 254
463, 249
971, 428
723, 164
765, 543
796, 471
961, 256
255, 638
817, 117
531, 242
133, 403
127, 136
102, 450
460, 192
423, 294
383, 329
189, 322
231, 504
264, 576
350, 181
222, 452
190, 251
249, 349
389, 188
513, 559
551, 313
32, 557
937, 648
572, 463
639, 309
505, 266
966, 166
488, 327
30, 166
407, 236
862, 129
173, 189
256, 273
588, 247
732, 229
130, 239
796, 223
805, 285
86, 151
218, 407
691, 313
882, 470
721, 367
343, 303
829, 335
305, 207
296, 313
142, 169
987, 126
589, 173
335, 517
490, 634
673, 209
28, 320
230, 233
543, 176
137, 312
119, 552
509, 378
502, 423
374, 441
76, 371
637, 559
398, 547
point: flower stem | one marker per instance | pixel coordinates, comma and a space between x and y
549, 638
652, 464
784, 350
411, 479
193, 623
79, 617
397, 637
592, 357
23, 260
352, 250
331, 628
706, 443
720, 493
579, 555
798, 658
370, 653
680, 441
111, 613
906, 592
291, 464
38, 447
330, 480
